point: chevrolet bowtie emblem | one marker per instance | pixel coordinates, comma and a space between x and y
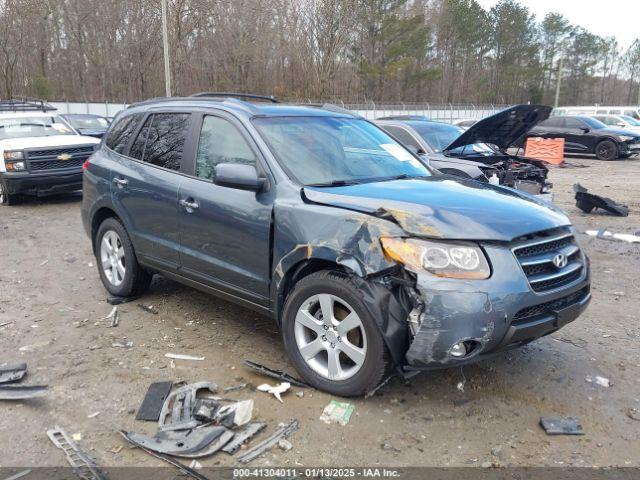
64, 156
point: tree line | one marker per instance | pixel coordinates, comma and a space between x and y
437, 51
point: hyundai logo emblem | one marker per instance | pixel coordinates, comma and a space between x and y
560, 261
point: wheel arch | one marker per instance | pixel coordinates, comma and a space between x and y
98, 217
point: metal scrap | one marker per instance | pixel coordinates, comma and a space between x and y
587, 202
285, 377
179, 356
12, 372
177, 411
561, 426
269, 442
83, 465
248, 432
180, 466
22, 392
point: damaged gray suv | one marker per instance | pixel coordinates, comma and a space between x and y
369, 261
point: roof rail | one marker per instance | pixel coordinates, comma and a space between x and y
404, 117
249, 96
335, 108
25, 105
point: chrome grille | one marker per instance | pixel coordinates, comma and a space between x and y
47, 159
536, 255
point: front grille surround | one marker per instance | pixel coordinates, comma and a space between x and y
539, 310
535, 254
44, 159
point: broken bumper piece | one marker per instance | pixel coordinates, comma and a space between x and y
464, 321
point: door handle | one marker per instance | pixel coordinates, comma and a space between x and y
189, 206
121, 182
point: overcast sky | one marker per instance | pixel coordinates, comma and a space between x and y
608, 18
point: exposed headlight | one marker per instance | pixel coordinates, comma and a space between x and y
626, 138
13, 155
441, 259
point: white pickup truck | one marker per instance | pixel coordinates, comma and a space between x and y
40, 153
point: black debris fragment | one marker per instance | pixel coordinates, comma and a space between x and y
204, 410
185, 443
22, 392
177, 410
587, 202
180, 466
242, 436
115, 300
269, 442
153, 401
12, 372
269, 372
561, 426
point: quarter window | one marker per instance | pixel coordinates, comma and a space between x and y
402, 135
574, 123
121, 132
220, 142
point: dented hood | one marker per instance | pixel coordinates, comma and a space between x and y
504, 128
444, 206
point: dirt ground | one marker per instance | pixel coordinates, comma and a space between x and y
51, 294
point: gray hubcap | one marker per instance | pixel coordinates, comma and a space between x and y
112, 258
330, 337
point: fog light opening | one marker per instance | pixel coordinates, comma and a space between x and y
463, 349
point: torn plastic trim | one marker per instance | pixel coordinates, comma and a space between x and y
177, 411
83, 465
195, 443
12, 372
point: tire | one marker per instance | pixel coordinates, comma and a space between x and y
135, 279
7, 198
606, 150
353, 379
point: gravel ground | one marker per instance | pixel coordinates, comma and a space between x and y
484, 414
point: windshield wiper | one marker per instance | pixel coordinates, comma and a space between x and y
333, 183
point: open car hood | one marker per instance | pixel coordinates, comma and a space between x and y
504, 128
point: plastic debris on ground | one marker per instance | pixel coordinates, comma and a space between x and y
114, 317
179, 356
153, 401
561, 426
268, 443
148, 308
337, 412
597, 380
12, 372
82, 464
275, 390
270, 372
607, 235
587, 202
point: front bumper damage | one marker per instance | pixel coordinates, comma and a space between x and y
490, 315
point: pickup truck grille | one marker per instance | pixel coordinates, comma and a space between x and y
550, 260
49, 159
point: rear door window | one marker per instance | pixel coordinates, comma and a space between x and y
574, 123
161, 140
119, 135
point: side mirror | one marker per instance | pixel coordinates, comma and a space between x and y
235, 175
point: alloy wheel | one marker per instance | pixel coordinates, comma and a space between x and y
330, 337
112, 258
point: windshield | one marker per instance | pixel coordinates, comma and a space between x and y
93, 123
593, 123
630, 120
440, 135
330, 150
35, 126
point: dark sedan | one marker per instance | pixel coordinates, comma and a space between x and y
87, 124
587, 135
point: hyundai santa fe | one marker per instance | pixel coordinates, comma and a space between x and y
369, 261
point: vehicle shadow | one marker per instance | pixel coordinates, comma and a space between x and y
58, 199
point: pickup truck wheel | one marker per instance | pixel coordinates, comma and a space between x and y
5, 197
117, 263
331, 338
606, 150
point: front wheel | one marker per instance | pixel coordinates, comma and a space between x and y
606, 150
331, 338
119, 270
5, 197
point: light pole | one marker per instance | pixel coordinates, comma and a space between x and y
555, 104
165, 47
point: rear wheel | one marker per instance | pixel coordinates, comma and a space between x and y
5, 197
119, 269
331, 338
606, 150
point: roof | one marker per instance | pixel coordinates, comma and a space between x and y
31, 114
252, 109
